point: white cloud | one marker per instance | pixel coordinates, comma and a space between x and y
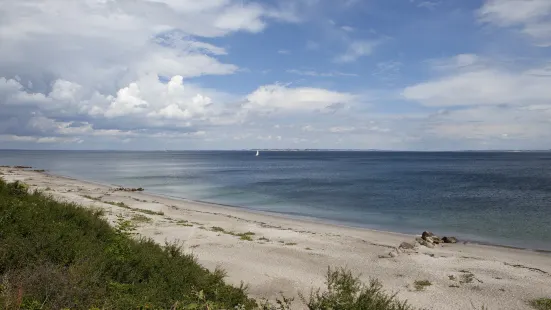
430, 5
533, 17
341, 129
100, 62
280, 97
455, 62
348, 28
321, 74
355, 50
485, 85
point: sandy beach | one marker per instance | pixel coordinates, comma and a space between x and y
274, 254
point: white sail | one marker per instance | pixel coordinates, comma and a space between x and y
257, 153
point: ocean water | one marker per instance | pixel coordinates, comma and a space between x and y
490, 197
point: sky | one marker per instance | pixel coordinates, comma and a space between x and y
234, 74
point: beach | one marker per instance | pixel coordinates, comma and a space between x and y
275, 254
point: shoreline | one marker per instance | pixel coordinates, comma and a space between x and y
274, 253
282, 215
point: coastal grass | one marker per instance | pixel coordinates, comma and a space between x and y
125, 206
140, 218
56, 255
247, 236
420, 285
346, 291
541, 304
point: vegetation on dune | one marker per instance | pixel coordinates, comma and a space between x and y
346, 291
541, 304
420, 285
56, 255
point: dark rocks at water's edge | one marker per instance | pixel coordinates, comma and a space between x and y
129, 189
430, 240
449, 240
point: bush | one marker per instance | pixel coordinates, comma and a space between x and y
541, 304
345, 291
57, 255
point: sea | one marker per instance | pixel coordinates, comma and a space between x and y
501, 198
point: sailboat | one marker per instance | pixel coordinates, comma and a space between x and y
257, 153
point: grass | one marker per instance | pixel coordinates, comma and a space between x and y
124, 205
184, 223
245, 237
291, 243
140, 218
218, 229
541, 304
421, 285
118, 204
346, 291
56, 255
466, 278
150, 212
242, 236
264, 239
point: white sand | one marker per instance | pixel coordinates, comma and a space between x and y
297, 254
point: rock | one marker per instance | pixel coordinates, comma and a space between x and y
436, 240
129, 189
426, 234
427, 244
406, 246
419, 239
449, 240
393, 254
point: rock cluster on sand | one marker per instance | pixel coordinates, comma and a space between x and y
129, 189
429, 239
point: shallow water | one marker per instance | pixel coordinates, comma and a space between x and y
494, 197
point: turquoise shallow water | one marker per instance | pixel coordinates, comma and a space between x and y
493, 197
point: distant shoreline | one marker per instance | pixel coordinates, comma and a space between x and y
285, 150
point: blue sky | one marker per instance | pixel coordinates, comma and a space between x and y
232, 74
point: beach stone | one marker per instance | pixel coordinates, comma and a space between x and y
407, 246
436, 240
419, 239
426, 234
449, 240
427, 244
393, 254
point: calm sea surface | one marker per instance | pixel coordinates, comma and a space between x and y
493, 197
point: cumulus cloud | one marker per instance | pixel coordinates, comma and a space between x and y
532, 17
281, 97
117, 68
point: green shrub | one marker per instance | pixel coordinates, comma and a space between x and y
541, 304
345, 291
57, 255
420, 285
